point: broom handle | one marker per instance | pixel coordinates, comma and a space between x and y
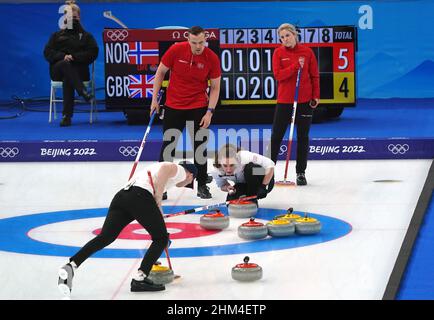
208, 207
166, 250
291, 130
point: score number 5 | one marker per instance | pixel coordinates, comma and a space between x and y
342, 57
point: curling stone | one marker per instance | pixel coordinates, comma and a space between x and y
281, 228
252, 230
246, 271
243, 209
307, 225
161, 274
289, 215
214, 221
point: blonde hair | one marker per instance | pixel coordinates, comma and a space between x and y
74, 7
288, 27
226, 151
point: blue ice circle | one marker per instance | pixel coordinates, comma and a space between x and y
14, 236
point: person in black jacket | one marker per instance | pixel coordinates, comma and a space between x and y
70, 51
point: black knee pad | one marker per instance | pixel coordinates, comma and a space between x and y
252, 169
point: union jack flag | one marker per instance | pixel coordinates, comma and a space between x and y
141, 86
143, 52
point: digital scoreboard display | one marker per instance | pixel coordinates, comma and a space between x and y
132, 57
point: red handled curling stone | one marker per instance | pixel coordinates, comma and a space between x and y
252, 230
243, 209
161, 274
247, 271
214, 220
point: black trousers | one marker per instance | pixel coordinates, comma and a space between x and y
127, 206
303, 120
177, 119
72, 77
254, 175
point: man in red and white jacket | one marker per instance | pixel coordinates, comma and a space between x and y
192, 65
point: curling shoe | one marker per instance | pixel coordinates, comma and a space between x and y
66, 273
145, 285
301, 179
203, 192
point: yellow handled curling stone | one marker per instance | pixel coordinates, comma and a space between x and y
161, 274
307, 225
281, 227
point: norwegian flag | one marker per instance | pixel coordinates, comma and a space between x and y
141, 86
143, 52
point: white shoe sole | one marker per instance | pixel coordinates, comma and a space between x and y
64, 289
63, 274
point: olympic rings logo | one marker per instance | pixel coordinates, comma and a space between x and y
117, 34
398, 148
129, 151
9, 152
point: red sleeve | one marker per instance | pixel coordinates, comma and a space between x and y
215, 70
314, 76
283, 73
169, 57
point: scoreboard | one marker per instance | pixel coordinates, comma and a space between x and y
132, 57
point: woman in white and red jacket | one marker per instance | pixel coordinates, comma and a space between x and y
287, 59
250, 173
